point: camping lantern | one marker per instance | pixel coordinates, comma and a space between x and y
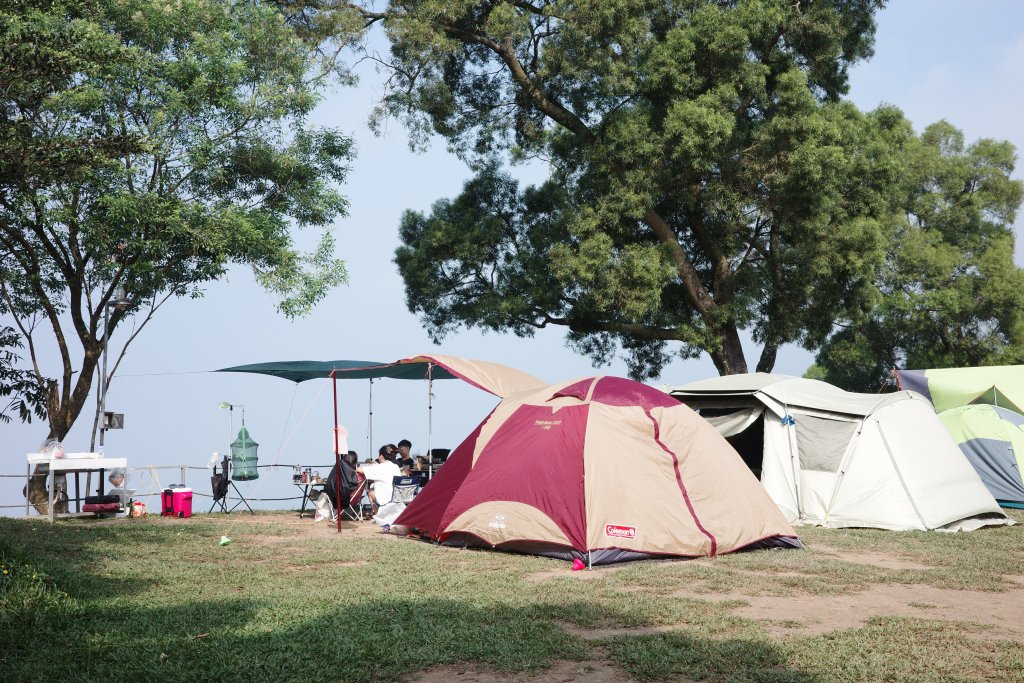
243, 457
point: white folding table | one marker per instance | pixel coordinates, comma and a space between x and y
70, 463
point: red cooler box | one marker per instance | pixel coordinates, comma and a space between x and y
176, 501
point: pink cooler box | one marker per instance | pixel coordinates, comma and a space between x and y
176, 501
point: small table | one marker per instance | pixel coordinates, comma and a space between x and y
71, 462
306, 486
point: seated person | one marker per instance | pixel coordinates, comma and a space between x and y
348, 481
421, 464
381, 474
404, 459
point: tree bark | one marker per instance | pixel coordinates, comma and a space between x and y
63, 408
768, 355
728, 358
37, 495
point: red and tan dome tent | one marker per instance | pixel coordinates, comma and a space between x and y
602, 469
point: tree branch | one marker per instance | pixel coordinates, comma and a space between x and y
695, 290
549, 106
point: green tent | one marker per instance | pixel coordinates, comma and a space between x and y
997, 385
992, 438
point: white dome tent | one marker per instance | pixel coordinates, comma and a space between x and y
837, 459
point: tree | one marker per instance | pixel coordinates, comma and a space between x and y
951, 295
705, 176
148, 145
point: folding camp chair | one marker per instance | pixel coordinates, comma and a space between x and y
220, 483
354, 508
404, 489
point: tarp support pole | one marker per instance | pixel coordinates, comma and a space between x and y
430, 419
337, 455
793, 463
231, 437
369, 429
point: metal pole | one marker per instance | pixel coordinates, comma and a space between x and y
369, 445
337, 455
103, 376
231, 431
430, 419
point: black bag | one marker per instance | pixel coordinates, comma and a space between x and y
220, 482
101, 507
102, 500
349, 481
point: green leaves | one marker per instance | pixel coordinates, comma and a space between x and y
17, 387
707, 178
949, 293
150, 144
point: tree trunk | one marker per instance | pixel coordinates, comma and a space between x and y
728, 358
63, 408
768, 355
37, 494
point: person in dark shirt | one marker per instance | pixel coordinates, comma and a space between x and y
404, 457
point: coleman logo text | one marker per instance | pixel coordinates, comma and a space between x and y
617, 531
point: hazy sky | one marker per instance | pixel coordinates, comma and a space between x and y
935, 59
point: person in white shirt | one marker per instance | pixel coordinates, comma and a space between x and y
381, 474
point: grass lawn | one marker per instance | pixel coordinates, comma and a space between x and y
288, 600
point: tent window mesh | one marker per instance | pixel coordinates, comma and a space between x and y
821, 442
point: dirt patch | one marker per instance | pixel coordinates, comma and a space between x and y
819, 614
803, 615
561, 672
872, 558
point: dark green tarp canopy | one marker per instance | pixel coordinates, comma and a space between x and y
302, 370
